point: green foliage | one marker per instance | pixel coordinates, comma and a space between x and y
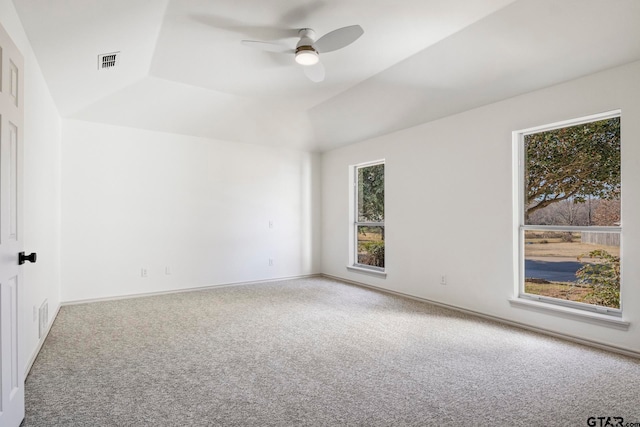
573, 163
374, 253
371, 193
603, 277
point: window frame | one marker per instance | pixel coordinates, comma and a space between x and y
353, 264
520, 227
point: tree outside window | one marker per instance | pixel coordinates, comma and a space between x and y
571, 223
369, 223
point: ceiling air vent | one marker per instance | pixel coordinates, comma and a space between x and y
108, 60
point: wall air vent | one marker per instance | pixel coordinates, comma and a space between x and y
108, 60
43, 319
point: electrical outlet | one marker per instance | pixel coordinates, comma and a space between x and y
270, 223
167, 271
443, 279
270, 262
143, 272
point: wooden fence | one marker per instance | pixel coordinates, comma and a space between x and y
600, 238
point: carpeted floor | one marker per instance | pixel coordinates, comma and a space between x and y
313, 352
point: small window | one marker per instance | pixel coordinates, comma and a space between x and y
368, 225
569, 224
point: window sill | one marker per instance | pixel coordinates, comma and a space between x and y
572, 313
369, 271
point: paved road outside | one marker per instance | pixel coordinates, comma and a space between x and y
555, 271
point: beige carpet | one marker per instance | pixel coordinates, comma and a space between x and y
313, 352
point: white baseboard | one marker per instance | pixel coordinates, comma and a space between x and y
195, 289
567, 337
35, 353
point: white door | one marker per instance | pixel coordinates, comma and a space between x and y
11, 120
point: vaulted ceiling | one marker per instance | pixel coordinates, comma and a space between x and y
183, 69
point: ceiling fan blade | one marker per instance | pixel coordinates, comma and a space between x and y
315, 73
337, 39
268, 47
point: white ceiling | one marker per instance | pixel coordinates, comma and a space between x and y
183, 69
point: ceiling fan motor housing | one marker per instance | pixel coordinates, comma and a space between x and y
306, 54
307, 37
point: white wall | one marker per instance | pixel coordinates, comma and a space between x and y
449, 202
135, 198
41, 177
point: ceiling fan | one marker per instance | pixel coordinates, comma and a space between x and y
308, 49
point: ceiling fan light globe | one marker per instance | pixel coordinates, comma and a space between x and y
307, 57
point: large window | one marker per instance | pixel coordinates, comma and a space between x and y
368, 225
569, 223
